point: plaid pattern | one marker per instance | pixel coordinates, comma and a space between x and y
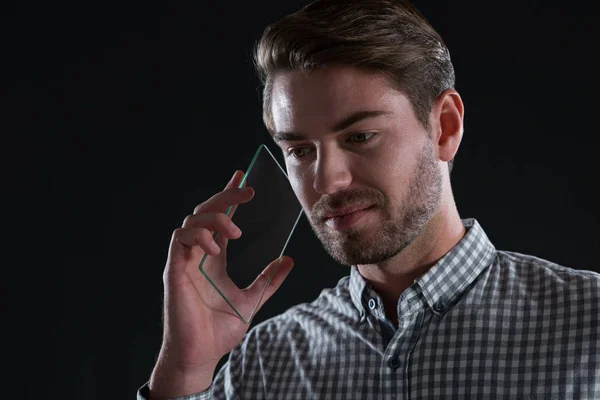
480, 324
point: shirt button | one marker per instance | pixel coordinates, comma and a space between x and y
439, 307
394, 363
372, 304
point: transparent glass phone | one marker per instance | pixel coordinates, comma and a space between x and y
267, 223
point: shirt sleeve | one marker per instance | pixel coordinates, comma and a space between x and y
228, 382
143, 394
222, 388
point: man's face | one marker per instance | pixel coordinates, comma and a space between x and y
369, 185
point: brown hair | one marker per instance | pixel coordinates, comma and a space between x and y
388, 36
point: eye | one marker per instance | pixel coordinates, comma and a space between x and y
360, 137
298, 152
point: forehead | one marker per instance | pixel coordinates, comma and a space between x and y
324, 95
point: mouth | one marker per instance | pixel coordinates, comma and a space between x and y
346, 217
343, 212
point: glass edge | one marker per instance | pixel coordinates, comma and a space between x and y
213, 284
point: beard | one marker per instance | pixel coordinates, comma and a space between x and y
399, 226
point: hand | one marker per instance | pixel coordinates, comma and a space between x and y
199, 326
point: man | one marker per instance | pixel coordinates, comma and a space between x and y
359, 97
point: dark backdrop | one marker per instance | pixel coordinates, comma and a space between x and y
118, 119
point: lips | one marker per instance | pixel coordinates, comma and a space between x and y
346, 218
343, 211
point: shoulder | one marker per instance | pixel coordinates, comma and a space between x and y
537, 265
276, 347
537, 275
303, 323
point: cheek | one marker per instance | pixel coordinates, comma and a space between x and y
302, 185
390, 171
392, 166
398, 160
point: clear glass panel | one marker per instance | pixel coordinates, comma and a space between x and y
267, 223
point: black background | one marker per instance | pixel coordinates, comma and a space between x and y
118, 119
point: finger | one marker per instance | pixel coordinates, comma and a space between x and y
235, 180
201, 237
242, 185
272, 276
214, 222
222, 241
221, 201
232, 210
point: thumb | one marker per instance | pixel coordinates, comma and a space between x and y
267, 283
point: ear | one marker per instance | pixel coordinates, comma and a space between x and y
447, 116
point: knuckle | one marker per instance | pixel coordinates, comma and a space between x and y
198, 208
187, 221
177, 232
229, 200
200, 234
180, 235
223, 219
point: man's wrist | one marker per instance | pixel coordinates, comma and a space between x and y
168, 382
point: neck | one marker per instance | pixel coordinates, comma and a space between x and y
392, 277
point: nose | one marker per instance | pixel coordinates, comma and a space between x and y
332, 172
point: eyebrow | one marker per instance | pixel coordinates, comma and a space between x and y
340, 125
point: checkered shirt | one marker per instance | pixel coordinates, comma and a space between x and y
480, 324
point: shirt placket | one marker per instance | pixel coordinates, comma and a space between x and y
396, 359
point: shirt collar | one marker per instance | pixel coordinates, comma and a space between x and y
447, 279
